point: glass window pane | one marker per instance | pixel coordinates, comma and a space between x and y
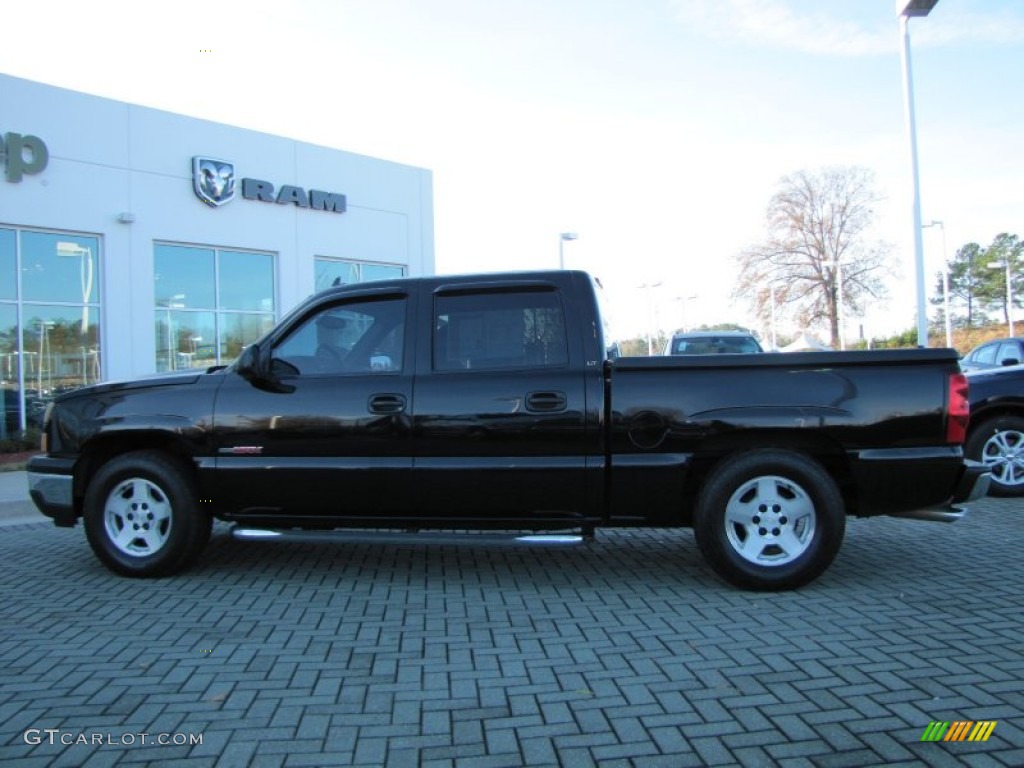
381, 272
183, 277
59, 267
58, 356
8, 265
499, 330
240, 330
185, 340
331, 272
10, 422
247, 281
353, 338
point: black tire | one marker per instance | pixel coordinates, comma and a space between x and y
142, 516
769, 519
999, 444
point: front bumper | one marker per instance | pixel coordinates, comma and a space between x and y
51, 487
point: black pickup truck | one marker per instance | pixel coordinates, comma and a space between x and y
487, 403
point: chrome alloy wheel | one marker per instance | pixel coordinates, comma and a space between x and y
137, 517
770, 520
1003, 454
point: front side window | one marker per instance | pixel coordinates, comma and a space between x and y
209, 304
491, 331
350, 338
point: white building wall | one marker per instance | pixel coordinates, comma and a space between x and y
107, 158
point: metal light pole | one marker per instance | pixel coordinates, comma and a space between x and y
682, 308
650, 315
945, 282
562, 237
906, 9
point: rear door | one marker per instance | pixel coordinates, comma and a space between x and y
500, 424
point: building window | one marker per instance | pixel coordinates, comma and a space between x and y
49, 321
331, 272
209, 303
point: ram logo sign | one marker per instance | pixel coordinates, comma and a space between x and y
214, 183
213, 180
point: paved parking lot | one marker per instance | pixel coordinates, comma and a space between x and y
624, 652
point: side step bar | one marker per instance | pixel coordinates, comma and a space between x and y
939, 515
405, 537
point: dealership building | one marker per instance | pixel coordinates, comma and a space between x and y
134, 241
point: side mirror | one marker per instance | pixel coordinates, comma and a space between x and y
254, 366
248, 363
1010, 361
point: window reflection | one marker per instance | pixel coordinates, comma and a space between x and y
184, 275
56, 346
8, 267
331, 272
246, 281
209, 303
59, 268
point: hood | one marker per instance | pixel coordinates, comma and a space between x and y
148, 381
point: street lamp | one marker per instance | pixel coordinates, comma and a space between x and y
907, 9
562, 237
945, 282
85, 270
1009, 290
174, 302
682, 308
650, 314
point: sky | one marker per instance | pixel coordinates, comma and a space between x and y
657, 130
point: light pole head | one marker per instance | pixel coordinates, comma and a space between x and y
569, 236
910, 8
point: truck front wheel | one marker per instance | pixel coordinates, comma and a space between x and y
769, 520
142, 517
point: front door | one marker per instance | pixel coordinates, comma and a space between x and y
337, 441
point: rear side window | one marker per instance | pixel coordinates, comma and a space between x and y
493, 331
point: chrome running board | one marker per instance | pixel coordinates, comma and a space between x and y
406, 537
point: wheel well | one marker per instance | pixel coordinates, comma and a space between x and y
99, 451
826, 452
993, 412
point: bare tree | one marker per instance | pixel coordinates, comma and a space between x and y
817, 226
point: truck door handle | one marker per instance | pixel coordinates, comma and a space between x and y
545, 401
387, 403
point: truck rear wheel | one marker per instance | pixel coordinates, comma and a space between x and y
999, 444
142, 516
769, 520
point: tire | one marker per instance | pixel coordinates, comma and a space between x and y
769, 520
999, 444
142, 517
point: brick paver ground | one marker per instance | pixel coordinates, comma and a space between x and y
624, 652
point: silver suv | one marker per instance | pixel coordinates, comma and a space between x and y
712, 343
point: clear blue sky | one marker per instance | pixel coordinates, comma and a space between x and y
656, 129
